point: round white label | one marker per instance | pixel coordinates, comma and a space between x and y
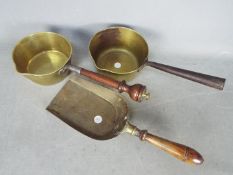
117, 65
98, 119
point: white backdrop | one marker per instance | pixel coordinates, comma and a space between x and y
192, 34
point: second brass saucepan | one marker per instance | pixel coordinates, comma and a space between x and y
45, 58
122, 51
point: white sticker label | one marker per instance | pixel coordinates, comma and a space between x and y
117, 65
98, 119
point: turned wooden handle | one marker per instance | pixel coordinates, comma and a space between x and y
177, 150
136, 92
208, 80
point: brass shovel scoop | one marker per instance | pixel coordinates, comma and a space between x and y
102, 114
44, 58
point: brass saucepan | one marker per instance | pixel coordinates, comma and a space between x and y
102, 114
45, 58
122, 51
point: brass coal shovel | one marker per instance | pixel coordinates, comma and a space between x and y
102, 114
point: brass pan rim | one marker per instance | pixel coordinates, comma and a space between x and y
42, 33
113, 72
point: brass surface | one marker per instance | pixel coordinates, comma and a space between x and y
40, 56
80, 101
118, 50
102, 114
122, 51
45, 59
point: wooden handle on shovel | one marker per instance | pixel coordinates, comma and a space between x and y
181, 152
208, 80
136, 92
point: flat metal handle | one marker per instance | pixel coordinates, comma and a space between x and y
208, 80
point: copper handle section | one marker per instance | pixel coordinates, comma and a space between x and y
181, 152
208, 80
136, 92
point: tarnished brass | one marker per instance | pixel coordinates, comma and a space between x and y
80, 101
118, 50
102, 114
40, 56
122, 52
45, 59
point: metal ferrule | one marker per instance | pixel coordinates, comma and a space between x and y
70, 68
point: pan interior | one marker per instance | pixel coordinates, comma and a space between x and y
91, 109
118, 50
117, 60
41, 53
46, 62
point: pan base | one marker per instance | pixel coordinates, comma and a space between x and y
47, 62
117, 60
